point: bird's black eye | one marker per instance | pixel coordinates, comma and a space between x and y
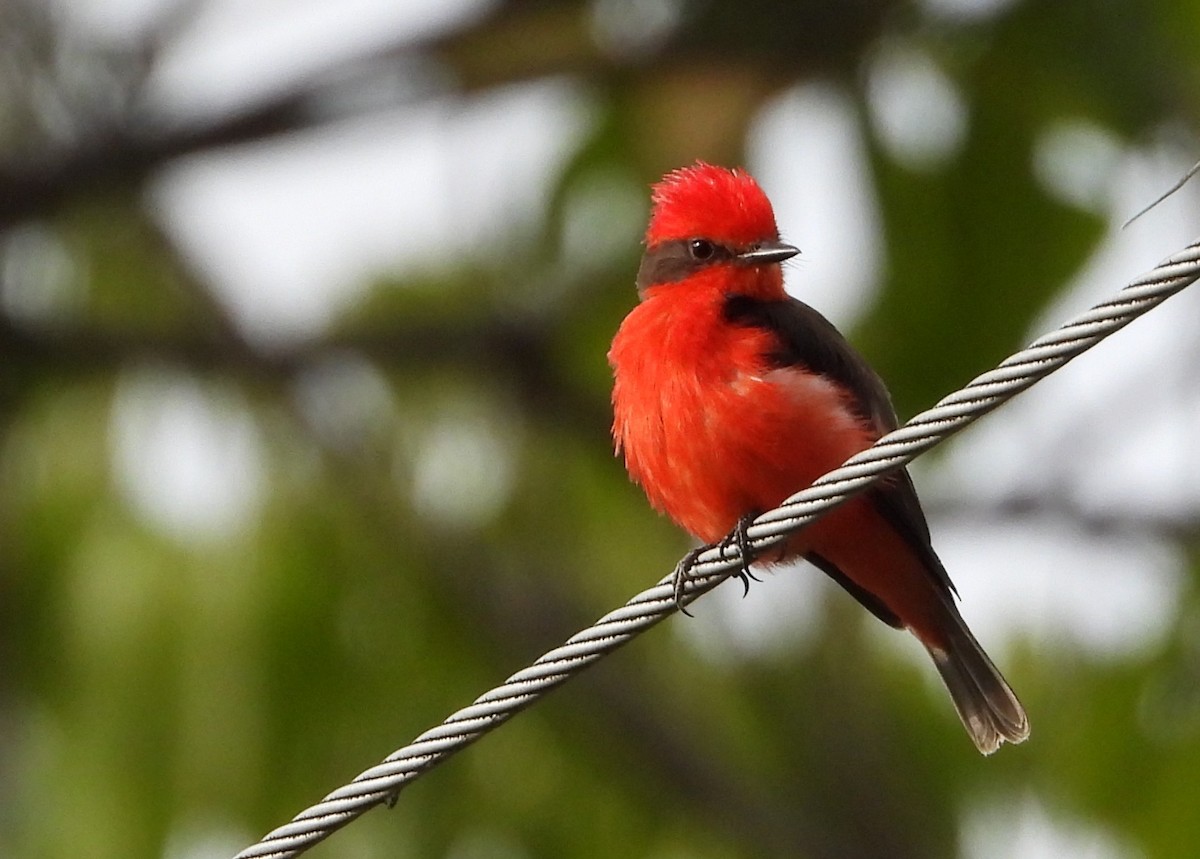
701, 249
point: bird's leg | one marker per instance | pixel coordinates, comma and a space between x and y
740, 537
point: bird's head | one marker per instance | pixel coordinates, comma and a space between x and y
708, 218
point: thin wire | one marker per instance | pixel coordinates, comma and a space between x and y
383, 782
1183, 180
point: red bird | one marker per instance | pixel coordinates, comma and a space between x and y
730, 396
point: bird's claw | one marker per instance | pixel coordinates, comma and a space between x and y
683, 571
739, 537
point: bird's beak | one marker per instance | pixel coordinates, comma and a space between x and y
767, 252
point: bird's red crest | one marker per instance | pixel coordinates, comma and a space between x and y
710, 202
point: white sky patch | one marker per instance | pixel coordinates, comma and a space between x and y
966, 10
627, 29
1074, 160
115, 21
290, 232
1110, 597
602, 219
1111, 432
1114, 428
1138, 176
40, 282
189, 460
235, 52
1044, 581
464, 468
204, 838
806, 150
346, 400
1028, 829
780, 615
915, 108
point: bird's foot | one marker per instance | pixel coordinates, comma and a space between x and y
739, 537
683, 572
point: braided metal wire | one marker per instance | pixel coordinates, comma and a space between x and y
383, 782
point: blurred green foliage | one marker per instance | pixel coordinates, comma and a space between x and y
173, 696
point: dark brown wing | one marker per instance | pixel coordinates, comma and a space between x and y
809, 340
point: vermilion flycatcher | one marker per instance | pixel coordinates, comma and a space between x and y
730, 396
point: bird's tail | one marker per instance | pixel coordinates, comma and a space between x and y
986, 704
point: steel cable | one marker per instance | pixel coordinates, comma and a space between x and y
383, 782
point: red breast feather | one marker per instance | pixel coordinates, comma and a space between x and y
707, 428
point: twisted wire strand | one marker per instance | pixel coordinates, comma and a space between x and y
382, 783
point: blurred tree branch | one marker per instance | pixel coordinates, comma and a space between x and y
500, 350
1181, 527
121, 156
518, 40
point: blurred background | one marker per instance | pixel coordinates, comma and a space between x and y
304, 422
